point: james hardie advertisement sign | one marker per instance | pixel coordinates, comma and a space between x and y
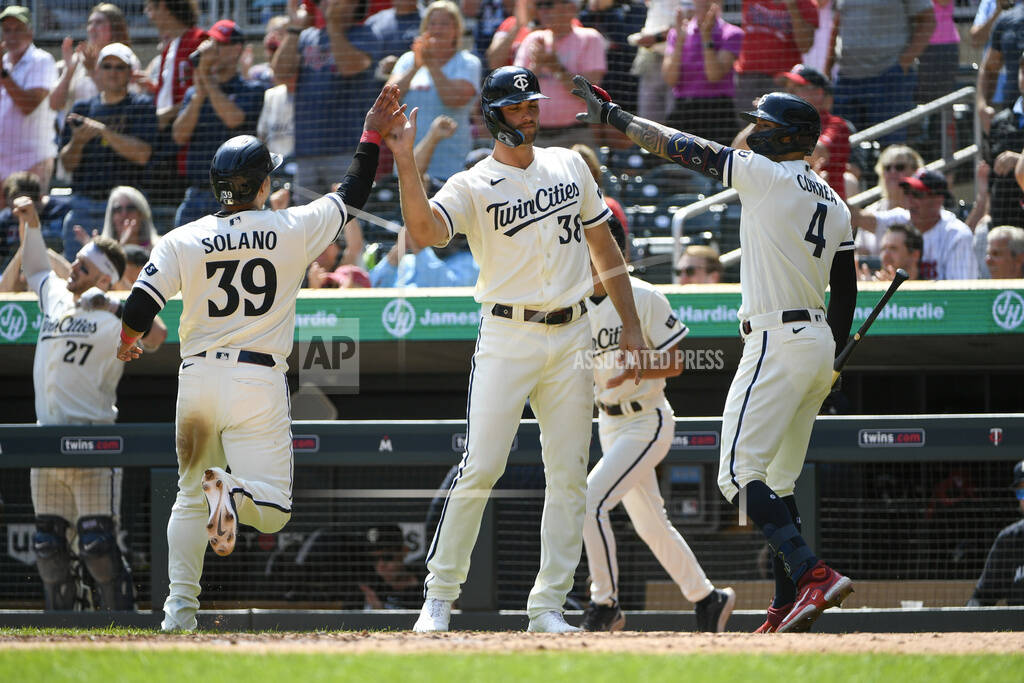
413, 316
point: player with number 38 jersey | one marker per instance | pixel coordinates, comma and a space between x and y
796, 238
238, 271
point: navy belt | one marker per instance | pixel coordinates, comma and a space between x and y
254, 357
562, 315
794, 316
616, 409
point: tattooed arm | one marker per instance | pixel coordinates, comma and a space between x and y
685, 149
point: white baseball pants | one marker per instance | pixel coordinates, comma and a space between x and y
229, 415
633, 445
513, 361
783, 377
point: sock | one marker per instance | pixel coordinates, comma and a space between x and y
785, 589
771, 514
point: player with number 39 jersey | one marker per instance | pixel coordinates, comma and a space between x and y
796, 238
238, 272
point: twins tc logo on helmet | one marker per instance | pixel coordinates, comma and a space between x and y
521, 82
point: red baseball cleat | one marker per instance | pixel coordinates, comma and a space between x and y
820, 588
775, 617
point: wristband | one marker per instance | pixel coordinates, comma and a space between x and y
616, 116
371, 136
125, 339
294, 30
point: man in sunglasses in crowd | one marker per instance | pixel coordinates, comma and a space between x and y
699, 264
947, 252
107, 141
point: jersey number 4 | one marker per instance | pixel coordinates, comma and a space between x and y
248, 280
816, 230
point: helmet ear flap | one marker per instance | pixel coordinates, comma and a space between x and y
502, 132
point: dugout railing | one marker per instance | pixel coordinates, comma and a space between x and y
908, 506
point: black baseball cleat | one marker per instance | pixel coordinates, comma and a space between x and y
713, 612
603, 617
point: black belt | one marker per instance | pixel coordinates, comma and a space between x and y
562, 315
254, 357
794, 316
616, 409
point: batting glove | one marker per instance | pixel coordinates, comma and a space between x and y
599, 102
94, 299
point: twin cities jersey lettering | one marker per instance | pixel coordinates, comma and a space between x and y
75, 372
792, 225
662, 331
525, 226
239, 273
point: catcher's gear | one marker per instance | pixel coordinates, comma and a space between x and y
102, 557
239, 168
599, 102
53, 560
502, 87
799, 121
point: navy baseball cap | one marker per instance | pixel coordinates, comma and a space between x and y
805, 75
932, 182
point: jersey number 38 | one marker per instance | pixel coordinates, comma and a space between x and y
227, 269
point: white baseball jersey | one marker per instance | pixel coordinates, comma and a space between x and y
239, 273
525, 227
948, 252
792, 225
662, 331
75, 372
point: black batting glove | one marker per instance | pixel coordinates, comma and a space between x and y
599, 102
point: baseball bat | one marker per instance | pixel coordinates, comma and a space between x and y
837, 366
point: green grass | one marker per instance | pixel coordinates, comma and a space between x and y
154, 666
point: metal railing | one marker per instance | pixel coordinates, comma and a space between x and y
950, 159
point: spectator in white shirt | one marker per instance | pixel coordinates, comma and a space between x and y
948, 253
26, 74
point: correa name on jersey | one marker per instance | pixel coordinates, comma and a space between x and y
67, 326
545, 202
818, 189
257, 239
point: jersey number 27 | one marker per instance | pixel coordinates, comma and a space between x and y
227, 269
816, 230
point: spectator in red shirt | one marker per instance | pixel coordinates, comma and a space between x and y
833, 148
775, 33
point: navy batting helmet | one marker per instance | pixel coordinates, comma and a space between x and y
799, 121
502, 87
239, 168
1018, 474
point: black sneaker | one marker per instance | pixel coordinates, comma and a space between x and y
713, 612
603, 617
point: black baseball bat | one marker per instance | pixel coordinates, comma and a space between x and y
837, 366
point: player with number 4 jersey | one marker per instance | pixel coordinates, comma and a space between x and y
796, 238
238, 272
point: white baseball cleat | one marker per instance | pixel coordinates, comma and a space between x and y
551, 621
222, 525
434, 616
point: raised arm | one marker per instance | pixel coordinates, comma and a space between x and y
425, 226
703, 156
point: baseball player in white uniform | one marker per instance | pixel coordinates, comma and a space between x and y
75, 380
238, 272
636, 426
534, 220
796, 238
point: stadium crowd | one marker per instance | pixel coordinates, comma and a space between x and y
105, 144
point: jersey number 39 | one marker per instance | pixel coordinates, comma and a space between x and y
227, 270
